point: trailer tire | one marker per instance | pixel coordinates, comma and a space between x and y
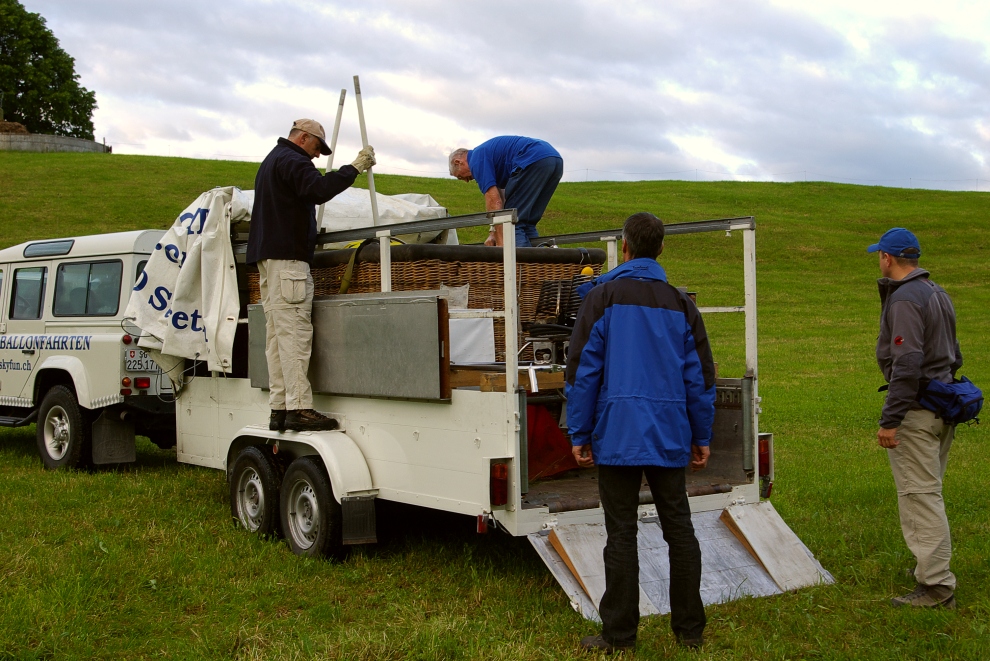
63, 432
254, 492
311, 518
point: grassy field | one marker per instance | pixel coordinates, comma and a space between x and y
145, 562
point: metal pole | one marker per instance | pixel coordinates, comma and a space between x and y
513, 413
749, 286
364, 142
612, 251
333, 148
385, 258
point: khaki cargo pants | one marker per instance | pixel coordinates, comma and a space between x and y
918, 464
287, 296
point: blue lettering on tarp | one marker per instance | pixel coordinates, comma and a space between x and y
175, 255
163, 296
199, 214
141, 281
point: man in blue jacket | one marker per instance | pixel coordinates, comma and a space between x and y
641, 400
281, 241
513, 172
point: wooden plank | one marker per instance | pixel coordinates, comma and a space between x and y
564, 575
581, 548
778, 549
495, 381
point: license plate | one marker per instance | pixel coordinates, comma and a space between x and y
137, 360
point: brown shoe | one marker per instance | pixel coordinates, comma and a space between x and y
927, 596
597, 643
309, 420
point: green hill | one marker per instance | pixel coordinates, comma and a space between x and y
145, 563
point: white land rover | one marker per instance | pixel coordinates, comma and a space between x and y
66, 361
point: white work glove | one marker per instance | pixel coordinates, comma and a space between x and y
365, 159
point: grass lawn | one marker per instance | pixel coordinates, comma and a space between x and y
145, 562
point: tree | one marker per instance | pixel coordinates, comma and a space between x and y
38, 79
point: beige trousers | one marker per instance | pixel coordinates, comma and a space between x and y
287, 296
918, 464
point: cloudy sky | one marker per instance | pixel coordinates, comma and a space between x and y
892, 92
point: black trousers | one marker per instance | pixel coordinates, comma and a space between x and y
618, 487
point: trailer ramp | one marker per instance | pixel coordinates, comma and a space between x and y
735, 559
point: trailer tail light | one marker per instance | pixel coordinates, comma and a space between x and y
498, 486
127, 339
764, 456
126, 382
125, 391
765, 460
142, 382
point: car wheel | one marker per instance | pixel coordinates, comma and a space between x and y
311, 517
63, 430
254, 491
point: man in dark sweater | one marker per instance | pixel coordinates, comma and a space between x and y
917, 343
281, 242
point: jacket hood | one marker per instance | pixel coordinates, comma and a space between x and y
888, 285
642, 268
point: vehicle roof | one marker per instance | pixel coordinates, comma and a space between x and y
94, 245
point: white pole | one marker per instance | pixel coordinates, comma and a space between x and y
333, 148
364, 142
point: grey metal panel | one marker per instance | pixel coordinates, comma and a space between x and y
730, 438
377, 346
257, 363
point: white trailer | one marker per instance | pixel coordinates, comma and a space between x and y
414, 429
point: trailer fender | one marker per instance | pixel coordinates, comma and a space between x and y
345, 463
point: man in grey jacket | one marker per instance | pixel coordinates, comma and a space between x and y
917, 344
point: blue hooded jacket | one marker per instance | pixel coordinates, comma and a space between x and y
640, 375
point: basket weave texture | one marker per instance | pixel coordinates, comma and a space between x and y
484, 278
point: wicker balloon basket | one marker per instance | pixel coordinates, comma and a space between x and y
426, 266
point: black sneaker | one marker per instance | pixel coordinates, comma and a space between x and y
597, 643
309, 420
277, 421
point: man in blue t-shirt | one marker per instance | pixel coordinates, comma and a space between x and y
513, 172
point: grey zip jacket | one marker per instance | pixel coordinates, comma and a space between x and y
917, 341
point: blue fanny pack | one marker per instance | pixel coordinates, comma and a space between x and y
956, 402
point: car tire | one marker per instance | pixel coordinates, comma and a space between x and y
63, 430
254, 484
311, 518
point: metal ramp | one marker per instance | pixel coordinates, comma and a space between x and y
731, 568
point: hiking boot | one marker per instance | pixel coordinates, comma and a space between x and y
597, 643
927, 596
309, 420
277, 421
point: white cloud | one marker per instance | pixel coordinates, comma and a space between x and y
839, 89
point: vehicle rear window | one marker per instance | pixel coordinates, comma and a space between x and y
87, 289
28, 293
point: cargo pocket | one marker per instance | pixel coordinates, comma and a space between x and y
293, 286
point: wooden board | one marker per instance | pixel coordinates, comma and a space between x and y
580, 546
769, 540
495, 381
729, 571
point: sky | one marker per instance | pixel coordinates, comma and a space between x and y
893, 93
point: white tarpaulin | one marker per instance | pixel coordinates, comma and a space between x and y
185, 302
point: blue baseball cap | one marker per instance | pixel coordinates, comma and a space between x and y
896, 241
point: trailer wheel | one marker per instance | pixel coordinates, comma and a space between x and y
63, 431
311, 517
254, 486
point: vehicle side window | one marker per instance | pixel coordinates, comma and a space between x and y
28, 293
87, 289
140, 269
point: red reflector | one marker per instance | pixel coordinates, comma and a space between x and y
125, 391
126, 339
142, 383
499, 484
126, 382
764, 457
